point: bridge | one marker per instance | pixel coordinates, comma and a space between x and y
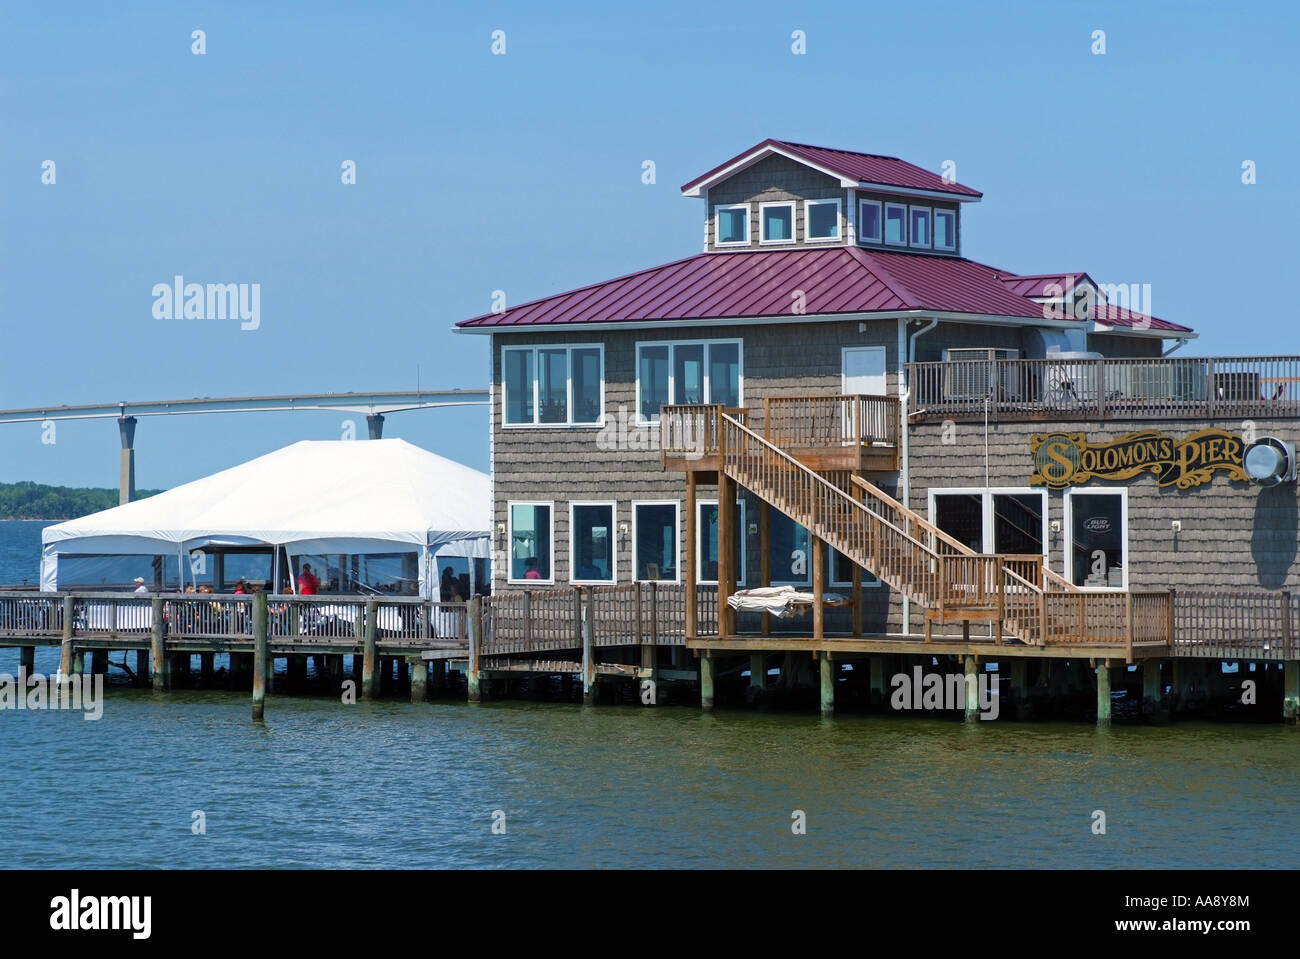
374, 405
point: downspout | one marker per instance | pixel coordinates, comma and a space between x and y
1182, 341
904, 394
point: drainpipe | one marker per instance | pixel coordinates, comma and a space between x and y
904, 395
1182, 341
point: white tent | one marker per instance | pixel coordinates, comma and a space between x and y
313, 497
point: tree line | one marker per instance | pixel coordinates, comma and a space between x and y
37, 501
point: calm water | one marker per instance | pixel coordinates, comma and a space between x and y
391, 784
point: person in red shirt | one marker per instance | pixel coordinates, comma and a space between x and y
308, 584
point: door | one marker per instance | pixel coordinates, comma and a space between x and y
862, 370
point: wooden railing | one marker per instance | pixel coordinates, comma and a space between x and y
1236, 624
1056, 388
827, 421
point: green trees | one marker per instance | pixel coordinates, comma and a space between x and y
36, 501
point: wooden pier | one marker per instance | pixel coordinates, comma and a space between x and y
635, 635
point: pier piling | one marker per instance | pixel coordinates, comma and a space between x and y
706, 680
159, 663
27, 659
1103, 693
261, 656
65, 659
370, 665
475, 631
972, 698
828, 671
1291, 696
419, 681
757, 671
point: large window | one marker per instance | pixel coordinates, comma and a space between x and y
869, 221
1096, 549
552, 385
896, 224
591, 543
841, 570
706, 551
531, 536
945, 229
691, 372
731, 224
994, 520
654, 541
789, 561
777, 221
821, 220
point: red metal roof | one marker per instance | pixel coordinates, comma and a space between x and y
1037, 285
860, 167
842, 279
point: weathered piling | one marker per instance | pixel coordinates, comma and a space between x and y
419, 681
370, 667
588, 659
828, 671
160, 664
1103, 693
475, 630
261, 655
27, 659
142, 667
1291, 694
65, 659
1153, 689
205, 668
757, 671
706, 680
972, 696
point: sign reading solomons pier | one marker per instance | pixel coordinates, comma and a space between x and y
1068, 459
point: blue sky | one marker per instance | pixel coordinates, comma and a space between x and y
522, 173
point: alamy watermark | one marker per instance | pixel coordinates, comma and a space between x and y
37, 691
922, 690
179, 300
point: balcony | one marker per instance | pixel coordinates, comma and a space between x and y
1158, 388
834, 432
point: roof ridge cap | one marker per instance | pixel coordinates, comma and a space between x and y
865, 258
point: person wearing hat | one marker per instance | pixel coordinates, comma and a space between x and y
140, 587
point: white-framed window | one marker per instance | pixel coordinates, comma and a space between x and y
945, 229
731, 224
553, 385
788, 558
531, 542
706, 549
593, 546
687, 371
821, 220
995, 520
919, 230
776, 222
896, 224
870, 222
655, 539
1096, 538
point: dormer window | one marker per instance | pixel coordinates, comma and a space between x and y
869, 221
920, 231
896, 224
945, 230
821, 220
732, 224
776, 222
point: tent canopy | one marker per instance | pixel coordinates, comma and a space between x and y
314, 496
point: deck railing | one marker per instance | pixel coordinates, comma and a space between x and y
1056, 388
1236, 624
793, 422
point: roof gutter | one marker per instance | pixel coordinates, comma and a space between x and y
1182, 341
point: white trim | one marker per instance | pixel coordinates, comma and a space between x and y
613, 542
749, 159
839, 227
762, 207
742, 532
841, 583
679, 323
677, 538
510, 541
889, 188
536, 349
672, 372
778, 515
880, 220
986, 495
1068, 550
929, 227
717, 233
934, 234
884, 224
